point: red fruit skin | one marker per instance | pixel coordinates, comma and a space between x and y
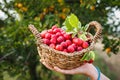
63, 32
53, 36
42, 34
59, 47
53, 40
52, 46
85, 61
74, 45
65, 50
50, 31
58, 34
67, 36
79, 48
46, 41
70, 49
80, 41
68, 42
53, 27
77, 41
47, 35
90, 61
85, 45
60, 39
64, 44
56, 30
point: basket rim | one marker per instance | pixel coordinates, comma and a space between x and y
91, 46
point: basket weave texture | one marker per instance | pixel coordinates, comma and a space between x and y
61, 59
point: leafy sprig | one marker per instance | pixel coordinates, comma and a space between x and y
73, 26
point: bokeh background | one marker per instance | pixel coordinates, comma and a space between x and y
19, 59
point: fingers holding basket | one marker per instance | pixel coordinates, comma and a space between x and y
55, 68
64, 71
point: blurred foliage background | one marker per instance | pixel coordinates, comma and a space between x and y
18, 54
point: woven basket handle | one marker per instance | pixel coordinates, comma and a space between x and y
35, 32
98, 29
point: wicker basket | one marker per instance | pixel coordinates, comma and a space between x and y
61, 59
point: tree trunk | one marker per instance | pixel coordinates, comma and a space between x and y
32, 69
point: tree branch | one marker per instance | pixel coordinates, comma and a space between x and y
8, 54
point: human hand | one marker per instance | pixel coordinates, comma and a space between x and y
85, 69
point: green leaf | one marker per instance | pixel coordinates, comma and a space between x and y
79, 26
67, 24
72, 25
84, 57
74, 34
88, 56
92, 55
86, 27
82, 36
73, 20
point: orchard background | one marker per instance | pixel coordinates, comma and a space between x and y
19, 59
